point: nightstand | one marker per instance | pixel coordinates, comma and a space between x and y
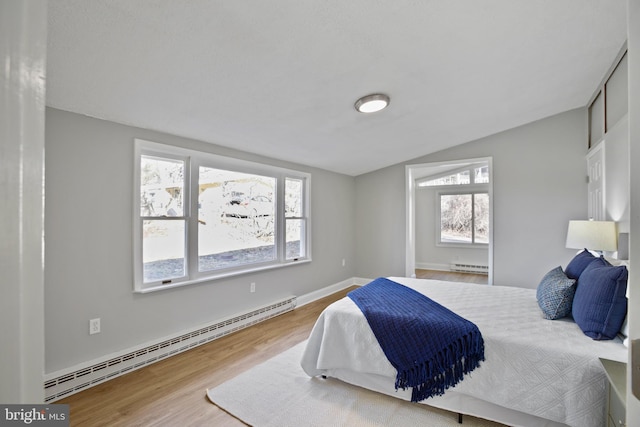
617, 375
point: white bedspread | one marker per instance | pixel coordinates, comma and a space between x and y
545, 368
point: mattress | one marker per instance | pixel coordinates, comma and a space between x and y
537, 371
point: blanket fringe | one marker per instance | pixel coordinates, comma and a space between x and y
448, 367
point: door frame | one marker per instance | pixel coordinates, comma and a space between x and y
412, 172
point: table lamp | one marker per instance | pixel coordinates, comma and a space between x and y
594, 235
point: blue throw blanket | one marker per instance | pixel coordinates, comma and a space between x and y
430, 346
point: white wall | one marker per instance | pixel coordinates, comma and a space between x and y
89, 269
617, 174
23, 31
428, 253
633, 402
539, 184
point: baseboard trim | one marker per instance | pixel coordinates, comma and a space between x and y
433, 266
331, 289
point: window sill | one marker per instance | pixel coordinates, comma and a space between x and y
463, 245
213, 277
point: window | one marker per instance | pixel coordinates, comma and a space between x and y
481, 175
458, 178
295, 222
236, 219
200, 216
610, 102
464, 218
163, 218
462, 177
462, 204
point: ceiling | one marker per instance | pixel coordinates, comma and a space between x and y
279, 78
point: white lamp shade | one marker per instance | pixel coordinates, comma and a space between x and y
594, 235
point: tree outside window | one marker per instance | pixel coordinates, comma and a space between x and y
464, 218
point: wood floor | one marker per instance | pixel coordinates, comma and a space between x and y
172, 392
452, 276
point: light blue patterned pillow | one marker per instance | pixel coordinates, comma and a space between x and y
555, 294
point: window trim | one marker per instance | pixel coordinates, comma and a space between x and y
422, 183
193, 161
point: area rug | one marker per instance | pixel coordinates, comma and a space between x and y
278, 393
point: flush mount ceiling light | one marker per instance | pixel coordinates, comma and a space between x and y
372, 103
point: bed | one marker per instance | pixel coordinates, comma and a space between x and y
537, 372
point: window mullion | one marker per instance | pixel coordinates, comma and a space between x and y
473, 218
192, 182
281, 221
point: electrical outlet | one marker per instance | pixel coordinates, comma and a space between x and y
253, 287
94, 326
344, 262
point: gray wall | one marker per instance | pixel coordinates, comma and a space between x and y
539, 184
616, 152
380, 224
89, 269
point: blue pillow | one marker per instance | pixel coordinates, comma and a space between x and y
600, 304
579, 263
555, 294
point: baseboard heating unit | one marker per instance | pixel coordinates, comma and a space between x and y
470, 268
73, 382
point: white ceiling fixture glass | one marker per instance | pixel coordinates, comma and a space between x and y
372, 103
